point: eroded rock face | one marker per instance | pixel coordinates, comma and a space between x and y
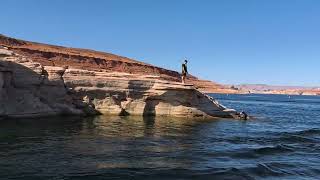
28, 88
50, 55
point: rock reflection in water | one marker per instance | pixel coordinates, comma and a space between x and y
135, 142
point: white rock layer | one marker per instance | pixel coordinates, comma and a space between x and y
29, 89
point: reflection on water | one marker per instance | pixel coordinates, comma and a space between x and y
51, 146
282, 143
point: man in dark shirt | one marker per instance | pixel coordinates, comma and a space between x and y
184, 71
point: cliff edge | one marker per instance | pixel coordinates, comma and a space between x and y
42, 80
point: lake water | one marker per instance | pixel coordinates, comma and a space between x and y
281, 142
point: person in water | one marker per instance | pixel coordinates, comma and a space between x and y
184, 71
243, 115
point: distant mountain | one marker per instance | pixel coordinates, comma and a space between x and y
272, 89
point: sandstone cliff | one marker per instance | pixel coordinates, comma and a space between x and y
41, 80
50, 55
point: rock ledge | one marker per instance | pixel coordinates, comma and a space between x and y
29, 89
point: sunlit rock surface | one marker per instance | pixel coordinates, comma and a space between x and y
29, 88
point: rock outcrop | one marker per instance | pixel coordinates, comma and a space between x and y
30, 86
50, 55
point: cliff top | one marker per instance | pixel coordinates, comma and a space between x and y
17, 43
52, 55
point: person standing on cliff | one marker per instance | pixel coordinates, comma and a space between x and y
184, 71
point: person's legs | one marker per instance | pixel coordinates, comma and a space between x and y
183, 78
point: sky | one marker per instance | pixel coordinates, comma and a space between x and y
274, 42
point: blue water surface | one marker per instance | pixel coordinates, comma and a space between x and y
281, 141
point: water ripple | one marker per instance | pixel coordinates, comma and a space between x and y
283, 142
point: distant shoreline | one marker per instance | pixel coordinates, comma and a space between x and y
265, 94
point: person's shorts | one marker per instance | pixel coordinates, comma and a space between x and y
183, 74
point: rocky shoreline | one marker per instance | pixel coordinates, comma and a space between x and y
29, 87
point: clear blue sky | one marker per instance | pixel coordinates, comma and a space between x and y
227, 41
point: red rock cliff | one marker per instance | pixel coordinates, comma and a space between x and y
49, 55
